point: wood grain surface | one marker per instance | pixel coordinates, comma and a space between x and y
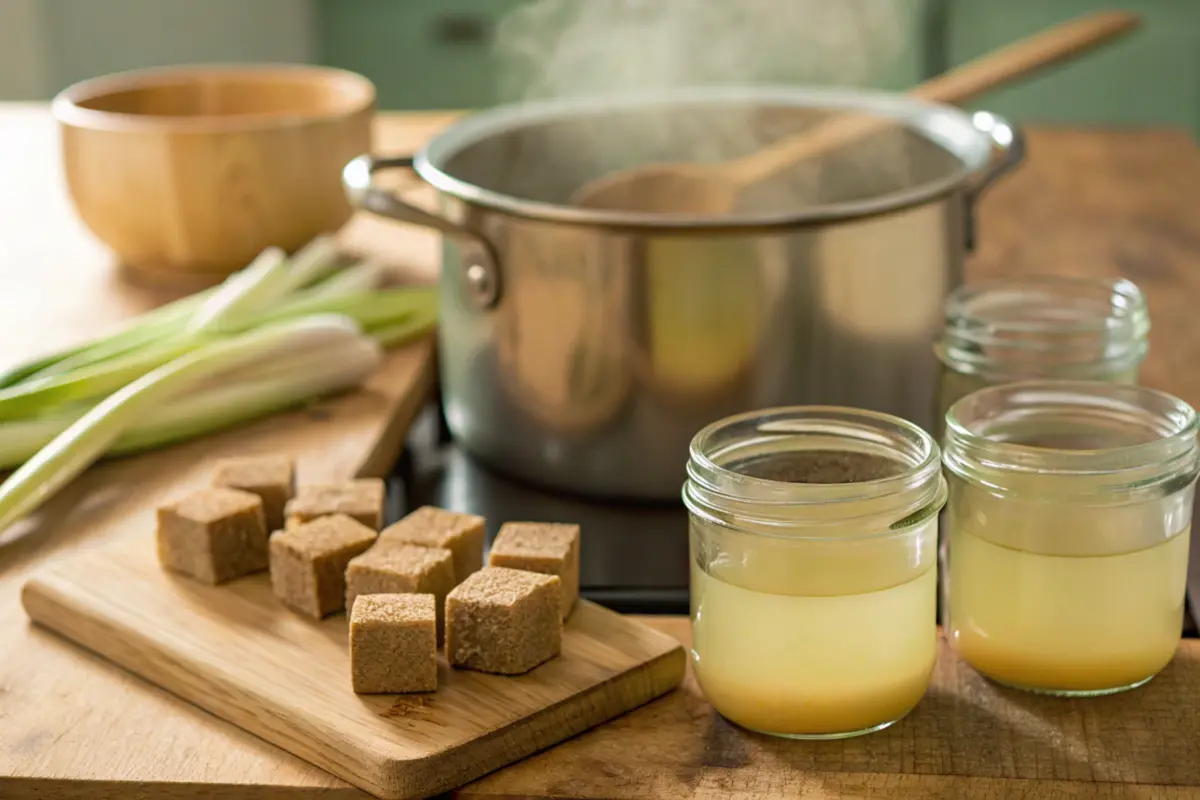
1118, 203
968, 738
238, 652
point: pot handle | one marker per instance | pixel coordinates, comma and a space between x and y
479, 277
357, 180
1009, 141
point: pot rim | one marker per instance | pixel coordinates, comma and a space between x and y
959, 133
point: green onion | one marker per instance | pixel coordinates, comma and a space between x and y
241, 293
369, 309
276, 335
89, 437
40, 395
268, 278
354, 279
322, 373
224, 401
398, 333
142, 330
309, 265
15, 375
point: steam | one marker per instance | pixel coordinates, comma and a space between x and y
552, 49
563, 48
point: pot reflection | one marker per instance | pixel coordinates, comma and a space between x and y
559, 342
702, 308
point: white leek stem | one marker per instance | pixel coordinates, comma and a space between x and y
310, 264
240, 293
269, 278
37, 395
355, 279
389, 308
221, 402
89, 437
146, 328
221, 407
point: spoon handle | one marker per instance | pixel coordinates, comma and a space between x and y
966, 82
1026, 56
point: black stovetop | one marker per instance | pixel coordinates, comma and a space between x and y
633, 558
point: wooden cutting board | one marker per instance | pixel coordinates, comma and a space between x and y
236, 651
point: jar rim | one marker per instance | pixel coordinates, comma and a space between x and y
714, 488
975, 449
1083, 325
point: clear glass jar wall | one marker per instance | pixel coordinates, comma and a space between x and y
1068, 524
1043, 327
813, 574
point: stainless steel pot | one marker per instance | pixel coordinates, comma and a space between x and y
582, 349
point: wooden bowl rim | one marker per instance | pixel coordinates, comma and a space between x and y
358, 95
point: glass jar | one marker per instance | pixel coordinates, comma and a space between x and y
1068, 524
813, 568
1040, 327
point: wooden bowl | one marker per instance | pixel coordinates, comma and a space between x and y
187, 173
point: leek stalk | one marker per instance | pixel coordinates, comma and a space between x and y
385, 309
143, 330
276, 335
269, 277
228, 400
90, 436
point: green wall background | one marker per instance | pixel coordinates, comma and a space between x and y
436, 53
1151, 78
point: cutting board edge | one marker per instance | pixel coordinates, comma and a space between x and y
401, 414
401, 775
57, 611
61, 610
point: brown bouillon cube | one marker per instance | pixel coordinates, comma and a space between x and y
308, 562
213, 535
397, 568
428, 526
504, 620
272, 478
360, 499
546, 547
393, 647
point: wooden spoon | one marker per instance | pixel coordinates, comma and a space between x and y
713, 189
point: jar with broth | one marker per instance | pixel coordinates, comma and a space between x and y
1042, 327
813, 568
1068, 525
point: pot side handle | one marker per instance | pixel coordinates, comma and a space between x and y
358, 182
1009, 143
479, 275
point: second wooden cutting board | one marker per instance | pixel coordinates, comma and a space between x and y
236, 651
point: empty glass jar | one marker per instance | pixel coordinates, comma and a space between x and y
1040, 327
1068, 524
813, 568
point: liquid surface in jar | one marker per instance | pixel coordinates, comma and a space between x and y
818, 467
1066, 622
812, 665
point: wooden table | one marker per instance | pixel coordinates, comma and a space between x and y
73, 726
